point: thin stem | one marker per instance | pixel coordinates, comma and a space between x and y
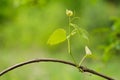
82, 60
84, 69
72, 33
73, 59
69, 41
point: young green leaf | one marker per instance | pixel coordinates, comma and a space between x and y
57, 37
82, 32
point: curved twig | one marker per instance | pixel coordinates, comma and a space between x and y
84, 69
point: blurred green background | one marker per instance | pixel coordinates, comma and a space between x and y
25, 26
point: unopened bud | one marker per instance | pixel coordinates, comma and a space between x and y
69, 13
87, 50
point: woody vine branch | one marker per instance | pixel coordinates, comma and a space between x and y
84, 69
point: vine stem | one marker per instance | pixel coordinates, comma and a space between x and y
84, 69
69, 41
82, 60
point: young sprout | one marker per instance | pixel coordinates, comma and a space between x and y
69, 12
88, 52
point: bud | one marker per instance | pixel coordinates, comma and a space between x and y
87, 50
69, 12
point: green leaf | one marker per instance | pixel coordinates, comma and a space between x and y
57, 37
82, 32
